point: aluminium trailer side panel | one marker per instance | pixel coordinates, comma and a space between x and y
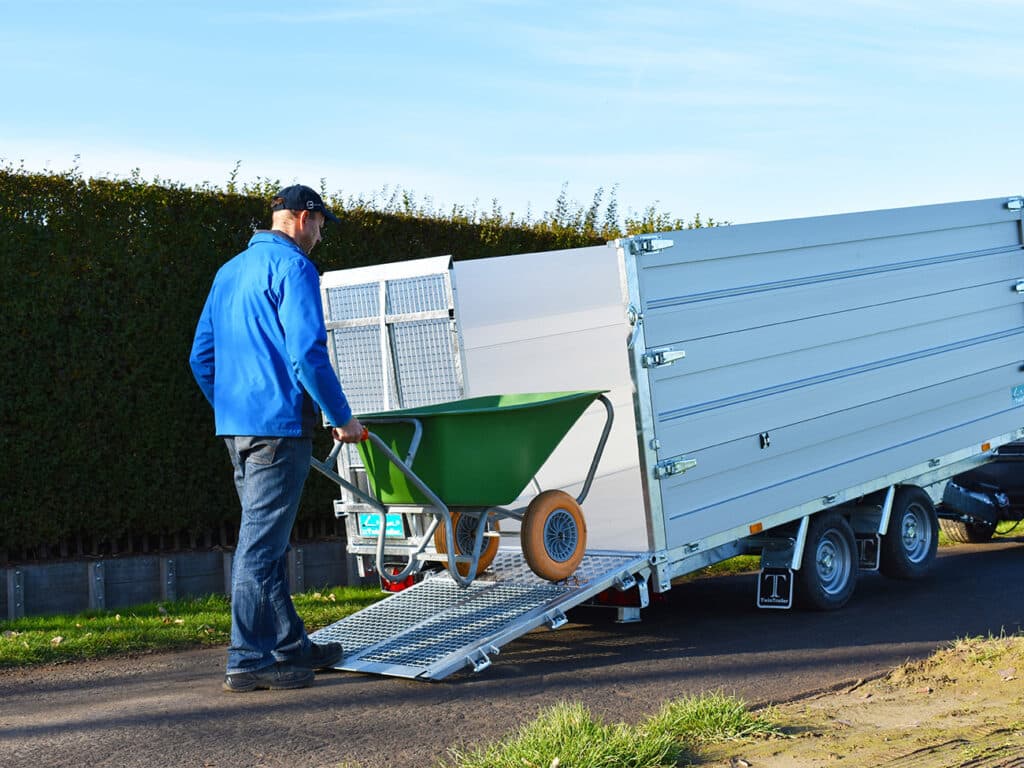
820, 354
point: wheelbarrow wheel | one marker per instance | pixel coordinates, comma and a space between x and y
465, 533
553, 535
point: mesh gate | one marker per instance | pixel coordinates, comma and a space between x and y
394, 341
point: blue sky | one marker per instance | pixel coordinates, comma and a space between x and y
743, 110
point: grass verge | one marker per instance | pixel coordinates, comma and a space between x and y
155, 626
568, 734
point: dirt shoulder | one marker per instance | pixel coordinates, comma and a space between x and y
963, 706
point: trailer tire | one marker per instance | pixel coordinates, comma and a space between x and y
910, 541
967, 533
828, 573
464, 527
553, 535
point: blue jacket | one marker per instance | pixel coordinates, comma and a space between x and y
260, 349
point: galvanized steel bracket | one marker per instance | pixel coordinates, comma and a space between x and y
674, 466
479, 659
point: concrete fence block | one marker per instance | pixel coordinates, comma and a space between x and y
70, 587
131, 581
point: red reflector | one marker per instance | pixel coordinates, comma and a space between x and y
397, 586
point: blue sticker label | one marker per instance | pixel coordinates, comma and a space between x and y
1017, 393
369, 525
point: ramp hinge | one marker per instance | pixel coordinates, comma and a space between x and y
555, 619
624, 581
1015, 203
655, 358
674, 466
479, 660
650, 244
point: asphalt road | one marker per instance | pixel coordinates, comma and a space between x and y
168, 709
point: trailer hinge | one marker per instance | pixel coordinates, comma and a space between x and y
1015, 203
675, 466
650, 244
655, 358
636, 320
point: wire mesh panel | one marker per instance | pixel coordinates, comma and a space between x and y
417, 294
353, 302
421, 347
357, 355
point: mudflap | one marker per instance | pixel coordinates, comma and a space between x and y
775, 588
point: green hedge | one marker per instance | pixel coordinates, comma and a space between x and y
103, 432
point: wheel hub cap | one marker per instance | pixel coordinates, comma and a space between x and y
560, 535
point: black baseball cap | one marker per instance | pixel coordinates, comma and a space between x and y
299, 197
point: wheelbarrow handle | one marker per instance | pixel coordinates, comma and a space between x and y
324, 468
443, 517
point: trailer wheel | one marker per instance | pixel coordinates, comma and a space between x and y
464, 527
553, 535
967, 533
908, 547
828, 575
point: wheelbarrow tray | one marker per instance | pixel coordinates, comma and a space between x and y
477, 452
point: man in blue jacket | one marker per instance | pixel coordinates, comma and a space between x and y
260, 357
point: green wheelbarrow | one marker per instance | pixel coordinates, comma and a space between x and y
463, 461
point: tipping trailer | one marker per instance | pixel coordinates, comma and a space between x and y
801, 390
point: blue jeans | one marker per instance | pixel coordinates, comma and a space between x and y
269, 475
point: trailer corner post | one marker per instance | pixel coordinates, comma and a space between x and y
643, 403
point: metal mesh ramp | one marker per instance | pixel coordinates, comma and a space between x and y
436, 628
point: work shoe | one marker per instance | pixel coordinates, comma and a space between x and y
321, 656
276, 676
